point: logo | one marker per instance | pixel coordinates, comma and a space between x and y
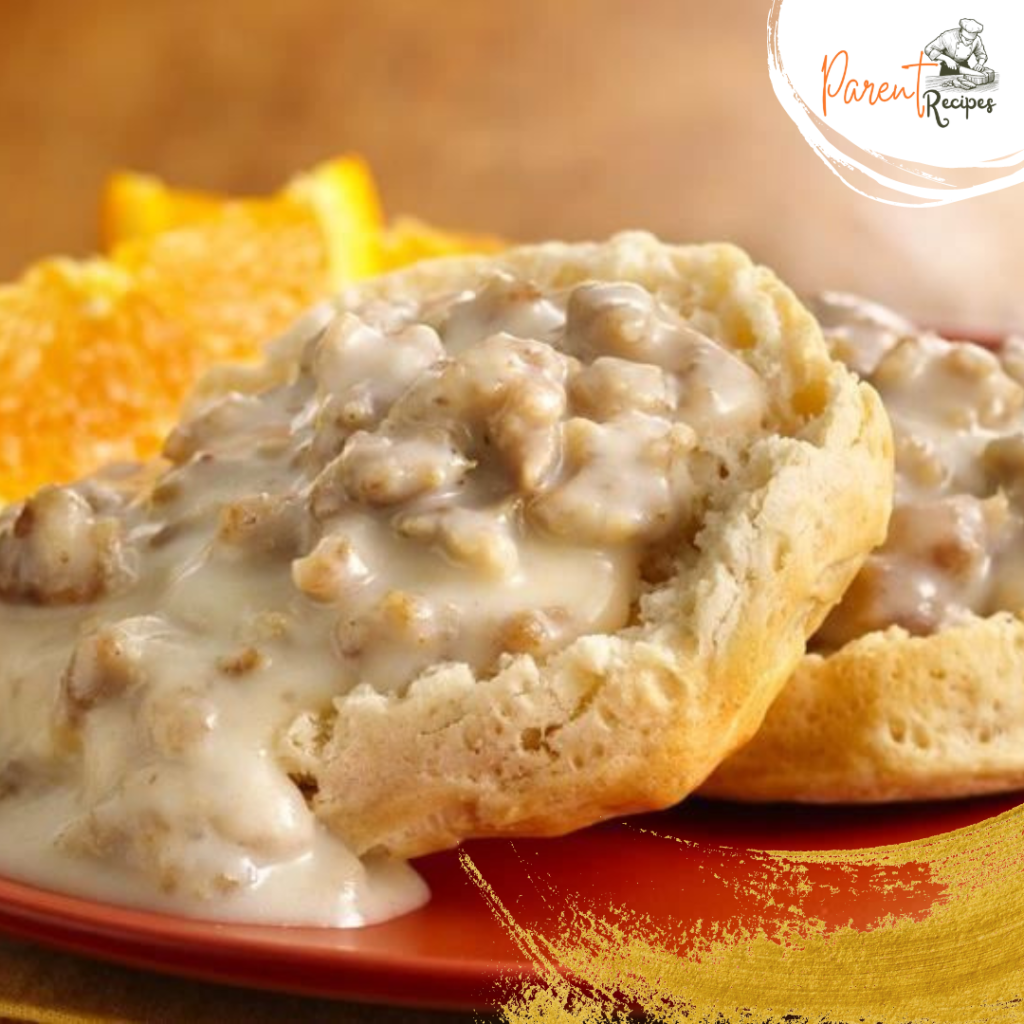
904, 110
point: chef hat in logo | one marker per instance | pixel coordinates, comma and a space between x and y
972, 26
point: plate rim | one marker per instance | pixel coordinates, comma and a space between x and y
217, 952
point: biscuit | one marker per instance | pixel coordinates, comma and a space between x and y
892, 717
913, 687
634, 721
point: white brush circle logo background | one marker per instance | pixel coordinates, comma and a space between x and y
885, 149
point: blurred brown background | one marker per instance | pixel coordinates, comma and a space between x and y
530, 118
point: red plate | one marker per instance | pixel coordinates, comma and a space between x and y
453, 952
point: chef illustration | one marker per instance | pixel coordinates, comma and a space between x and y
959, 49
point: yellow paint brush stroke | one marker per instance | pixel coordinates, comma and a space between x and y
961, 962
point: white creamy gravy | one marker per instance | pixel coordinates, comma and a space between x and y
956, 540
401, 485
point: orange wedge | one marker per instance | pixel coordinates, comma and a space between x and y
97, 356
139, 206
339, 195
91, 372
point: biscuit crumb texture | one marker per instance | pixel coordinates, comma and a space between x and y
893, 717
